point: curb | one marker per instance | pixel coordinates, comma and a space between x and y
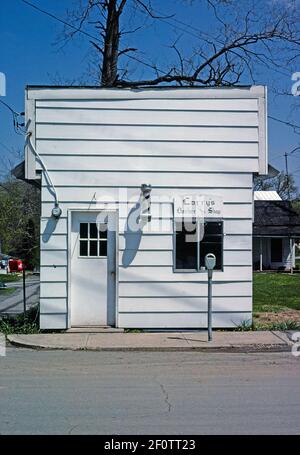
250, 348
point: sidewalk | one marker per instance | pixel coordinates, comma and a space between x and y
158, 341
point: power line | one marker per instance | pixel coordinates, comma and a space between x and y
292, 125
15, 115
83, 32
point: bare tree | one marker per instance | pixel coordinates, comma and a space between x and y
283, 184
247, 35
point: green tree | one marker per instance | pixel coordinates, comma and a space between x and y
19, 220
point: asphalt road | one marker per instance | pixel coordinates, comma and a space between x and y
65, 392
13, 303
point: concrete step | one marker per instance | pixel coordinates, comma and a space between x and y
95, 329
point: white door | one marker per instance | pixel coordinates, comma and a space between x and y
92, 290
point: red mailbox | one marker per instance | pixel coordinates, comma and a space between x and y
15, 265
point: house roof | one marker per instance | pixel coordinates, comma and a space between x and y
276, 218
266, 196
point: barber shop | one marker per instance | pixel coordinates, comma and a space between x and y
138, 188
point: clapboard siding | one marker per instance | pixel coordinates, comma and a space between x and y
182, 320
54, 274
55, 289
54, 305
158, 273
184, 289
50, 226
149, 117
141, 104
184, 304
148, 164
53, 258
165, 242
74, 194
238, 227
155, 132
54, 241
161, 179
52, 321
163, 211
134, 258
144, 148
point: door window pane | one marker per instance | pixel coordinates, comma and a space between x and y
103, 247
93, 231
103, 230
93, 248
83, 248
83, 230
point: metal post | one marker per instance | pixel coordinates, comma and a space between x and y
24, 293
292, 256
209, 309
287, 175
260, 255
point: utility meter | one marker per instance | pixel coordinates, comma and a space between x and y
56, 211
210, 261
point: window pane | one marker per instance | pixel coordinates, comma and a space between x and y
83, 248
186, 246
83, 230
213, 228
276, 250
103, 230
93, 231
103, 247
93, 248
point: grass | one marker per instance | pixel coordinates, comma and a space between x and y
246, 326
10, 325
275, 292
9, 278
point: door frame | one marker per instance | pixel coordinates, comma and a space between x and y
69, 246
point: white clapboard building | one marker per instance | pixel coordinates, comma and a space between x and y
137, 187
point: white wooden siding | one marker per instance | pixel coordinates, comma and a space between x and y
98, 142
196, 180
182, 320
148, 164
183, 304
142, 104
101, 147
184, 289
159, 273
146, 132
143, 118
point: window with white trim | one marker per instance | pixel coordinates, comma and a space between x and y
193, 240
93, 240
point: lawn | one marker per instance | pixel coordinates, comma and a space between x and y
276, 292
9, 278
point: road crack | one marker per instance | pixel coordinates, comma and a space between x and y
166, 397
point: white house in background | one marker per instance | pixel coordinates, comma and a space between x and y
103, 261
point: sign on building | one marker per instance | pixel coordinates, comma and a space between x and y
198, 206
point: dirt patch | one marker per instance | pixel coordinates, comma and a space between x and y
282, 316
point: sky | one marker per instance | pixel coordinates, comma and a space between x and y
28, 56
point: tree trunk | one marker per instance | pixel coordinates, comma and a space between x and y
111, 46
